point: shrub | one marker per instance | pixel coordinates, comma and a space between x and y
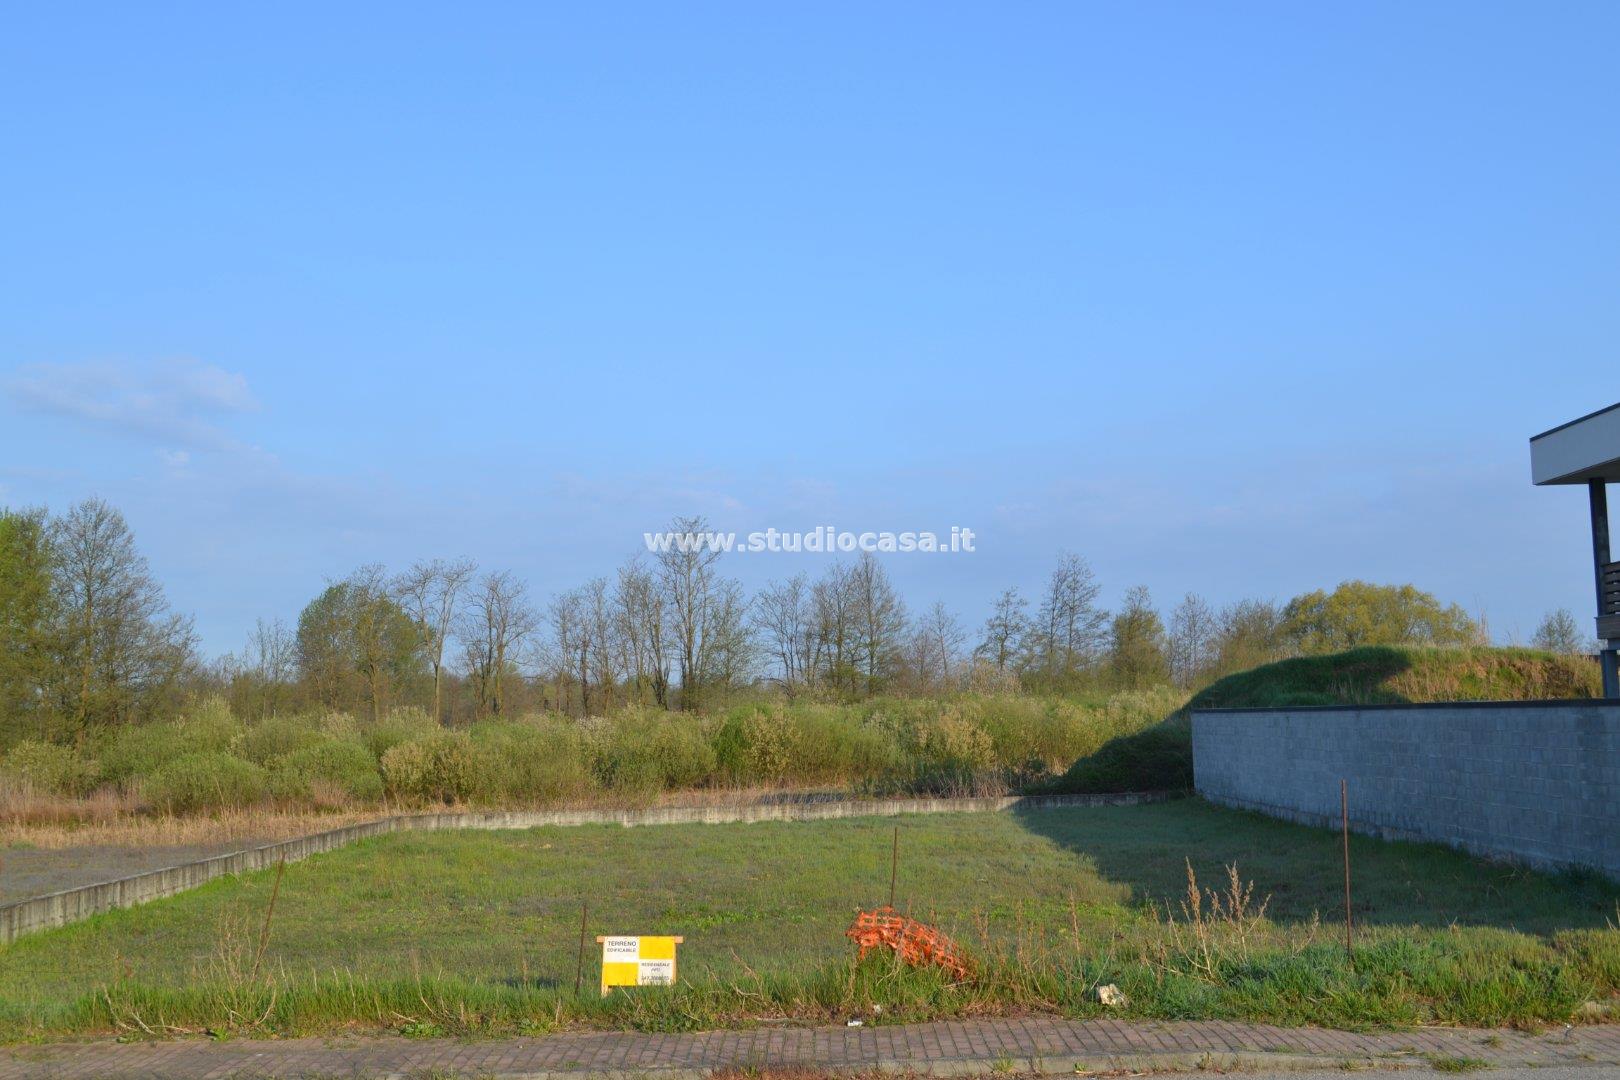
952, 741
442, 767
339, 725
279, 736
804, 744
686, 757
136, 753
50, 769
837, 746
638, 754
400, 725
1022, 730
531, 761
757, 744
316, 771
209, 725
205, 780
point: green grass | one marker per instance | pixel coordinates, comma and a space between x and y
1160, 757
1458, 1064
477, 932
1383, 675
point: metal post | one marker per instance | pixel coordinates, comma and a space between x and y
579, 964
1597, 490
1344, 812
894, 865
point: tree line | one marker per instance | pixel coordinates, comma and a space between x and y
87, 638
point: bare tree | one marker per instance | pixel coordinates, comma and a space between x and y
686, 575
880, 619
496, 626
728, 651
1193, 629
1070, 629
1005, 630
570, 648
269, 663
1249, 633
639, 616
428, 591
1560, 633
784, 616
835, 607
949, 637
937, 645
605, 647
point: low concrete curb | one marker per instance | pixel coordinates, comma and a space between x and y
71, 905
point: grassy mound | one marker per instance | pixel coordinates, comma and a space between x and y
1160, 758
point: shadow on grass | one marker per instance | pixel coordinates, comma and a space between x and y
1300, 869
544, 982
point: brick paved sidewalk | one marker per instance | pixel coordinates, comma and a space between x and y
1034, 1044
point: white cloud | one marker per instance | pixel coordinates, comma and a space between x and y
179, 402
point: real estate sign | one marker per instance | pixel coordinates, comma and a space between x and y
638, 961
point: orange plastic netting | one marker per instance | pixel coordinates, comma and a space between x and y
917, 943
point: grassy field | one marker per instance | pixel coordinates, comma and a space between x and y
477, 932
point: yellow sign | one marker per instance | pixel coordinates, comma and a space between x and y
638, 961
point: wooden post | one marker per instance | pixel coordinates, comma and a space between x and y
894, 864
1344, 817
579, 966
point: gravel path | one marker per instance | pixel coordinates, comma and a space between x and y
26, 872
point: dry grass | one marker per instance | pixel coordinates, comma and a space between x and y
812, 1072
140, 830
108, 819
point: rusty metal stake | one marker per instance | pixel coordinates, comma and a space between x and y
1344, 817
269, 913
579, 966
894, 864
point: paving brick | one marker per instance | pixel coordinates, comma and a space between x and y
954, 1044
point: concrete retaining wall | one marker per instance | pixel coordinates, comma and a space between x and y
1535, 782
71, 905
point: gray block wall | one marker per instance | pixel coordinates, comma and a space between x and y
1533, 782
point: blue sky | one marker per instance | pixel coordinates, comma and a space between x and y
1241, 298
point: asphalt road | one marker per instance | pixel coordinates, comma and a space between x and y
1545, 1072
